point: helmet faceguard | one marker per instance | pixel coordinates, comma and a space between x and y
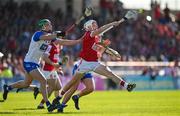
88, 26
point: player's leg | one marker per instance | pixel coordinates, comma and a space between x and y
37, 75
67, 96
69, 93
48, 75
54, 84
82, 68
56, 93
73, 81
50, 89
34, 88
105, 71
88, 82
20, 84
76, 78
89, 88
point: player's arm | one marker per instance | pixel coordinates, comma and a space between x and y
47, 59
132, 14
57, 34
68, 42
103, 28
48, 36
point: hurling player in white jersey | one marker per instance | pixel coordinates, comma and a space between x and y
38, 45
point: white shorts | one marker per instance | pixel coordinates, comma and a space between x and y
86, 66
50, 74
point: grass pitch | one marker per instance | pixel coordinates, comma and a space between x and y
107, 103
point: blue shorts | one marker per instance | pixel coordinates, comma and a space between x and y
29, 66
87, 75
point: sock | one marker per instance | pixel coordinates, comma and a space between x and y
58, 98
41, 104
48, 103
63, 104
9, 88
42, 101
77, 96
62, 93
123, 84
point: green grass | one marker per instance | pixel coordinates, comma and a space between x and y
109, 103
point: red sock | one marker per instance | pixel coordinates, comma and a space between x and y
122, 83
62, 92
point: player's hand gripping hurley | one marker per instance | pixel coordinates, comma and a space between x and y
87, 12
132, 14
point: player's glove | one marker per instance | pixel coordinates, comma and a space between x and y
88, 11
60, 33
131, 14
64, 60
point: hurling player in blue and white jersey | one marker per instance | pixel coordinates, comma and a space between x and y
38, 45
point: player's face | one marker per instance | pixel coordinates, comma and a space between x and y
48, 26
94, 25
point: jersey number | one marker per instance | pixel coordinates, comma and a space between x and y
43, 47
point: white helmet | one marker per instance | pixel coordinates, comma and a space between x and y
88, 24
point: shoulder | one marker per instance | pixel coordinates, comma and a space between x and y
36, 36
87, 34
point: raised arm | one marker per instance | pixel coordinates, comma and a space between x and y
132, 14
69, 42
48, 36
103, 28
52, 36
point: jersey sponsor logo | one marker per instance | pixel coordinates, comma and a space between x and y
43, 47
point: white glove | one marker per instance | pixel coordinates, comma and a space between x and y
131, 14
88, 11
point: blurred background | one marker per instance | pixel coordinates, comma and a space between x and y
149, 45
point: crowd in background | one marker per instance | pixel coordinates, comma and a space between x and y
156, 39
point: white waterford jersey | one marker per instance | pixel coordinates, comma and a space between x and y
36, 49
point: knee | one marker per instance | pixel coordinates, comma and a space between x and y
90, 89
58, 87
43, 81
26, 85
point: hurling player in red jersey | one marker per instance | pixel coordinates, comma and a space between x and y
89, 59
51, 57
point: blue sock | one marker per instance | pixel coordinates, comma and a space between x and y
58, 98
48, 103
9, 88
63, 104
77, 96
